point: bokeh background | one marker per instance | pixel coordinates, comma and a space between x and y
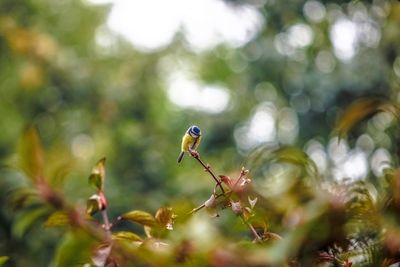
124, 79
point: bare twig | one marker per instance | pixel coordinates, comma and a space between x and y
107, 225
197, 209
208, 169
252, 229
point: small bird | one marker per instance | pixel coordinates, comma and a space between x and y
190, 141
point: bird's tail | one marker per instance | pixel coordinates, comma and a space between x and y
181, 156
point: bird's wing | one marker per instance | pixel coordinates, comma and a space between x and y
196, 143
186, 142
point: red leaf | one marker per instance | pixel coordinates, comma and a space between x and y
226, 180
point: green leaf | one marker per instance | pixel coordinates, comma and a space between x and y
74, 250
27, 220
3, 259
291, 155
127, 236
23, 197
58, 218
31, 154
97, 176
140, 217
296, 156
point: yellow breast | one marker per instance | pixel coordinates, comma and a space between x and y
189, 142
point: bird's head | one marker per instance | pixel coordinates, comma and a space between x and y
194, 131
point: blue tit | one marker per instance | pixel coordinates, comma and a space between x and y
190, 141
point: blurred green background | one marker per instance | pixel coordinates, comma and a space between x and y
92, 92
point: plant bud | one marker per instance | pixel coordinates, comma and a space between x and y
236, 207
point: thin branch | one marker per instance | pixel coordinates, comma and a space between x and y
252, 229
218, 183
107, 225
197, 209
208, 169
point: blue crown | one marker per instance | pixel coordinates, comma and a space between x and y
195, 130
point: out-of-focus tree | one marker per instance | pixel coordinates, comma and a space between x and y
286, 86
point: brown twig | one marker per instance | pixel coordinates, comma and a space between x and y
252, 229
197, 209
107, 225
207, 168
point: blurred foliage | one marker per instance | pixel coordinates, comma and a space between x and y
66, 101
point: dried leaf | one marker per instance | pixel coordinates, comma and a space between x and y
387, 262
165, 217
100, 255
247, 213
271, 236
252, 202
97, 176
58, 218
140, 217
126, 235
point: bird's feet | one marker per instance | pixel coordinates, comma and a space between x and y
194, 153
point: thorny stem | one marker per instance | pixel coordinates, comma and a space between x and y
208, 169
252, 229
